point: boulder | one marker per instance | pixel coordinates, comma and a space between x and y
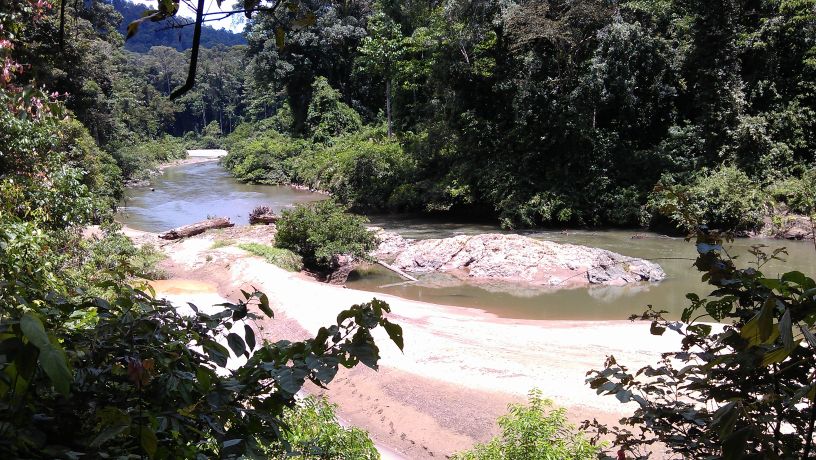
341, 266
518, 259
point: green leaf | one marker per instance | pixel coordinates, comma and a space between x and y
216, 352
34, 331
786, 330
236, 343
725, 418
52, 358
776, 356
394, 332
263, 304
765, 320
56, 368
109, 433
656, 329
148, 441
290, 380
249, 337
799, 278
735, 443
204, 379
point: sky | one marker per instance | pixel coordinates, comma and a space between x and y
211, 7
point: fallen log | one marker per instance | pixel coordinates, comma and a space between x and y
196, 228
262, 215
397, 271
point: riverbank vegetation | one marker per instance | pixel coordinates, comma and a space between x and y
538, 113
91, 364
320, 232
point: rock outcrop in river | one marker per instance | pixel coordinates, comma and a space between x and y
517, 259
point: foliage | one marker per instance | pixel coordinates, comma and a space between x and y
140, 160
263, 158
144, 379
282, 258
741, 390
534, 431
319, 231
328, 116
725, 198
312, 432
797, 193
364, 170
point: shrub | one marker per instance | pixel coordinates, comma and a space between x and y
139, 160
737, 390
282, 258
366, 170
798, 193
265, 158
724, 198
319, 231
534, 431
313, 433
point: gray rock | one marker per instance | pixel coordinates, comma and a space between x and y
516, 258
341, 266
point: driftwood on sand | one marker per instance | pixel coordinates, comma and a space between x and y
262, 215
196, 228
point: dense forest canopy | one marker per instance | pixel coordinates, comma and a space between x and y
158, 34
541, 112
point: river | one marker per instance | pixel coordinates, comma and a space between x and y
186, 194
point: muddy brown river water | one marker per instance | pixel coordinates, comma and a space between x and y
185, 194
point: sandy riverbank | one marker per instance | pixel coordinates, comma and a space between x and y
461, 366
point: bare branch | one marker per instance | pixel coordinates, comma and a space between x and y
191, 71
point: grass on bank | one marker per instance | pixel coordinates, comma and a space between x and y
283, 258
222, 243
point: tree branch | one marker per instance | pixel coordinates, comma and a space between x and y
191, 71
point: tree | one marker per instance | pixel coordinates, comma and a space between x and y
380, 51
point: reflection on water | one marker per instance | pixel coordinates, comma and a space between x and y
190, 193
187, 194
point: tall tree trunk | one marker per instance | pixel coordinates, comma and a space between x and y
388, 105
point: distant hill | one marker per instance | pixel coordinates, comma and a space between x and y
151, 33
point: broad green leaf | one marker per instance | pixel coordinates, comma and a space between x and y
34, 331
776, 356
786, 329
56, 368
249, 337
280, 37
263, 304
51, 358
799, 278
204, 379
291, 380
725, 418
109, 433
394, 332
656, 329
148, 441
734, 444
236, 343
765, 320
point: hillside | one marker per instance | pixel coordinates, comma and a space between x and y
157, 34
